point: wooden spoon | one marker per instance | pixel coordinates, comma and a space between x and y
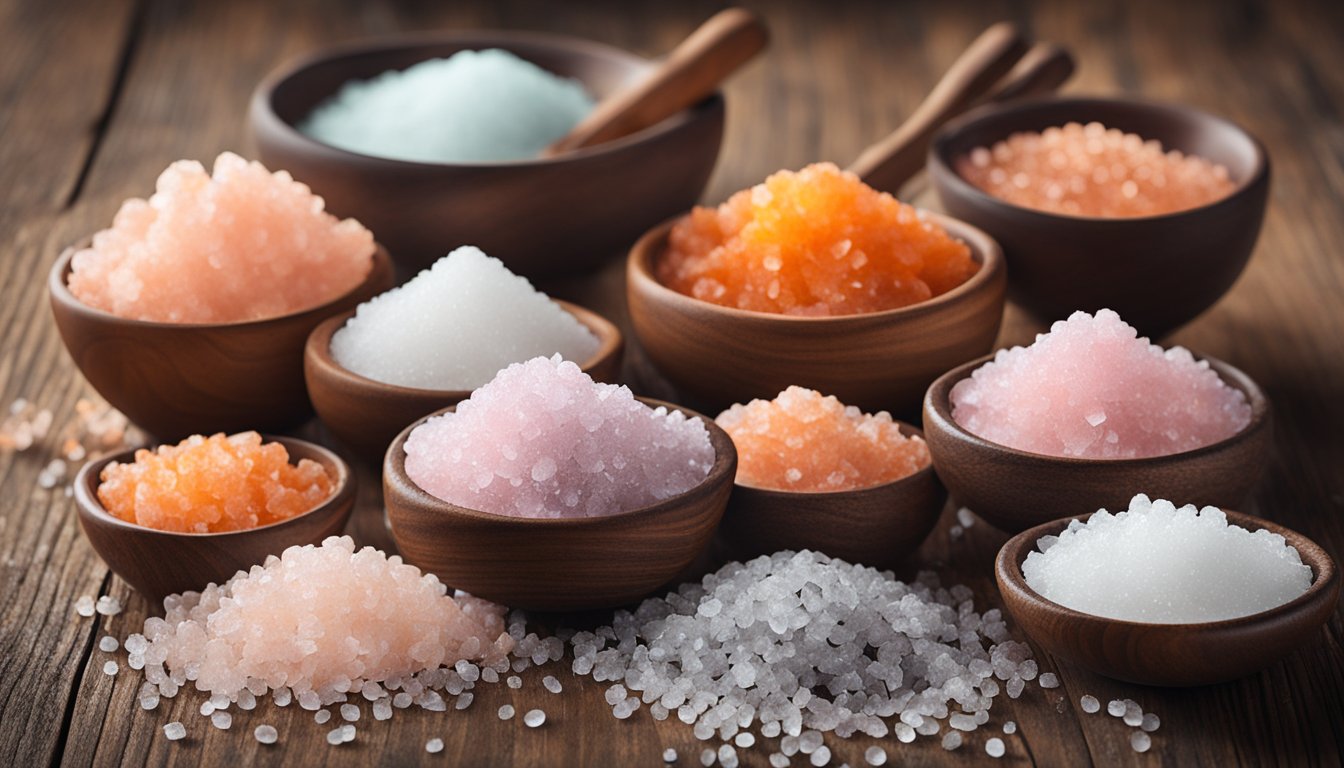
688, 74
1042, 70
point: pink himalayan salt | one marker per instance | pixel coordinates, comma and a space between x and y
544, 440
242, 245
1090, 388
319, 621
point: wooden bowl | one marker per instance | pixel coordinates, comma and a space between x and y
557, 564
1015, 490
366, 414
178, 379
876, 361
1169, 654
160, 563
878, 526
542, 217
1158, 272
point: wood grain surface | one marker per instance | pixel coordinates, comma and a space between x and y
97, 97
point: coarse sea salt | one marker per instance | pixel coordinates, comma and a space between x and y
1091, 388
1161, 564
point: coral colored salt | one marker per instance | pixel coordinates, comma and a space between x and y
816, 242
243, 244
213, 484
1091, 388
802, 441
542, 439
1089, 170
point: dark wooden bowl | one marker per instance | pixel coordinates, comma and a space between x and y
878, 526
1015, 490
557, 564
1169, 654
1158, 272
366, 415
542, 217
179, 379
876, 361
160, 563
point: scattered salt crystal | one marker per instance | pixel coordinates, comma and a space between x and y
111, 668
490, 675
1151, 722
707, 757
965, 517
1133, 713
464, 700
952, 740
506, 712
322, 716
281, 696
614, 694
1010, 727
727, 756
174, 731
221, 719
875, 756
821, 757
266, 734
434, 746
745, 740
349, 712
1090, 704
514, 681
347, 733
534, 718
336, 736
84, 606
382, 709
108, 606
669, 755
551, 684
778, 760
1049, 680
402, 700
1115, 708
994, 747
207, 708
1140, 741
108, 644
809, 742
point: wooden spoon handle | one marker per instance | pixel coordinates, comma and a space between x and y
887, 164
1042, 70
688, 74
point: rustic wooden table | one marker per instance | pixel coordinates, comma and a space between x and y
97, 97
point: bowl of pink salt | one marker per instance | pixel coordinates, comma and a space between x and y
1149, 209
178, 517
548, 491
1087, 414
813, 473
190, 313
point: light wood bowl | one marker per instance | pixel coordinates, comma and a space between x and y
1170, 654
1015, 490
366, 415
557, 564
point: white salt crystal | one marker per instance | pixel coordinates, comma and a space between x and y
281, 696
1090, 704
551, 684
1140, 741
952, 740
669, 755
108, 644
174, 731
614, 694
266, 734
506, 712
1048, 680
108, 606
84, 606
1151, 722
349, 712
778, 760
1133, 715
464, 700
382, 709
434, 746
110, 668
707, 757
809, 742
994, 747
221, 719
1010, 727
322, 716
402, 700
514, 681
821, 757
965, 517
534, 718
336, 736
875, 756
745, 740
347, 733
1115, 708
727, 756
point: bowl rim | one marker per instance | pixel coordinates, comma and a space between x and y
890, 486
263, 108
942, 166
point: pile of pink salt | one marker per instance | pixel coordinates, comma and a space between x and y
1091, 388
1088, 170
243, 244
542, 439
802, 441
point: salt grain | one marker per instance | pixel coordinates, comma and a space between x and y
875, 756
464, 700
322, 716
514, 681
108, 644
745, 740
1151, 722
952, 740
434, 746
1048, 680
994, 747
266, 734
707, 757
1090, 704
84, 606
108, 606
1140, 741
1010, 727
669, 755
821, 757
551, 684
221, 720
174, 731
534, 718
506, 712
111, 668
778, 760
1115, 708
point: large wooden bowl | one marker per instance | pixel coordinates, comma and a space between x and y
366, 415
876, 361
1015, 490
1158, 272
1169, 654
160, 563
542, 217
557, 564
179, 379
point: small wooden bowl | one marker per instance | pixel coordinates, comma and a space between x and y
878, 526
178, 379
1169, 654
366, 414
160, 563
557, 564
876, 361
1015, 490
542, 217
1158, 272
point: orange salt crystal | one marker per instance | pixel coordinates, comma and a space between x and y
817, 242
802, 441
213, 484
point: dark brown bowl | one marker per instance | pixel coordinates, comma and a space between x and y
557, 564
178, 379
543, 217
1170, 654
160, 563
366, 414
1158, 272
878, 526
876, 361
1015, 490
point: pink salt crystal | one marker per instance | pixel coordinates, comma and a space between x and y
242, 245
543, 440
1091, 388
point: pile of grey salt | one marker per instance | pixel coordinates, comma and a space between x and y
1091, 388
1159, 564
455, 325
542, 439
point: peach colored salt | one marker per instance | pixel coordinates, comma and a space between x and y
1089, 170
243, 244
1091, 388
213, 484
802, 441
816, 242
